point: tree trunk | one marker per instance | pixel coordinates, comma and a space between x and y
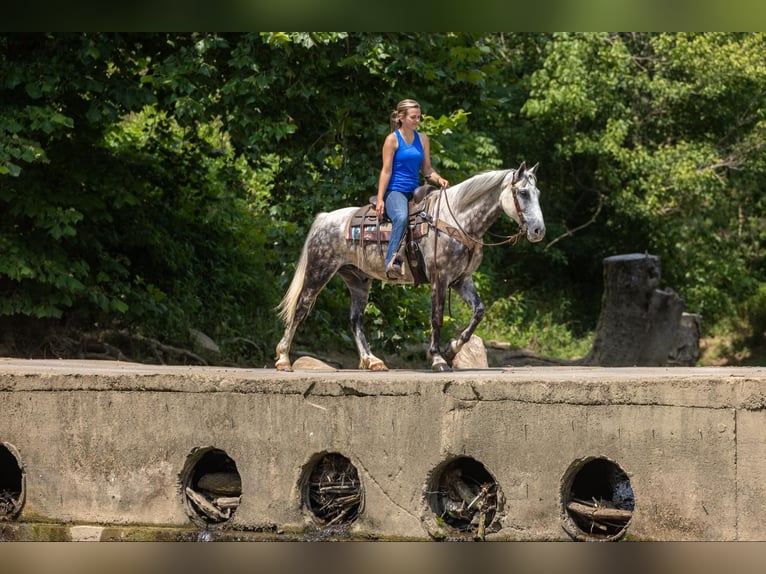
638, 322
686, 350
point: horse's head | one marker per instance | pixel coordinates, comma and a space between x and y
520, 199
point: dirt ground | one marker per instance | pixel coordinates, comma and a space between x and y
715, 352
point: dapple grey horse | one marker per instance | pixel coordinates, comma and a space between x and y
452, 250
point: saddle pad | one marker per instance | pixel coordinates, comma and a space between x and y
383, 234
369, 230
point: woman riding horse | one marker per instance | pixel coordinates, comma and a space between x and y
458, 218
405, 152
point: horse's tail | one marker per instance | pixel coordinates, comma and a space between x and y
286, 307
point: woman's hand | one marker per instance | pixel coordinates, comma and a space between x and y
438, 180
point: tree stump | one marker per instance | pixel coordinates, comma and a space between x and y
638, 322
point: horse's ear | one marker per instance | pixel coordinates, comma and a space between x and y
519, 173
533, 169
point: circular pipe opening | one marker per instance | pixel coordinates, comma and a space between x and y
597, 500
464, 499
332, 490
12, 483
212, 486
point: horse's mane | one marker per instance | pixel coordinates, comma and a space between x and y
467, 191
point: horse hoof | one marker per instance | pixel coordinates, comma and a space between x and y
283, 366
379, 366
373, 364
441, 368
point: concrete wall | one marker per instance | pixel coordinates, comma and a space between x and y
110, 444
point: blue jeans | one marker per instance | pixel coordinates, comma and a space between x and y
398, 212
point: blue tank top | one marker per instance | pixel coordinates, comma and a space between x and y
406, 166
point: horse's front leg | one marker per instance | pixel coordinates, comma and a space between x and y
467, 291
438, 290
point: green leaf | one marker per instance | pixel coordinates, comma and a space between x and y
11, 168
62, 120
33, 90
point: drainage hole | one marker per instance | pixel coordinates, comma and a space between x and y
11, 480
212, 486
464, 496
601, 500
334, 491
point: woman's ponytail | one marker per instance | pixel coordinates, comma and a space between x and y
396, 123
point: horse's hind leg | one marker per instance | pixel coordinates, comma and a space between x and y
302, 308
359, 284
300, 298
467, 291
283, 362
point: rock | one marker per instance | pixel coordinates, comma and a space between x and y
203, 342
311, 364
473, 355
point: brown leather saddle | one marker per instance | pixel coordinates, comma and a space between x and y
365, 227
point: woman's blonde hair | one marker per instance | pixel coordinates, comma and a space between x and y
401, 110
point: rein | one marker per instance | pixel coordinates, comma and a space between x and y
461, 235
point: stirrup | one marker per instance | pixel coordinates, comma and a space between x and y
395, 269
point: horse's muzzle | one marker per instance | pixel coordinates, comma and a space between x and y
535, 233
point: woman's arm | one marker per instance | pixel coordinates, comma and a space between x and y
389, 148
428, 171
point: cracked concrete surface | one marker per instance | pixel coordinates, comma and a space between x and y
102, 443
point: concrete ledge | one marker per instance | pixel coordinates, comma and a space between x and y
110, 445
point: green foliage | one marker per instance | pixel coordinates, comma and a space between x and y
195, 249
755, 315
525, 320
163, 181
661, 130
134, 219
399, 317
